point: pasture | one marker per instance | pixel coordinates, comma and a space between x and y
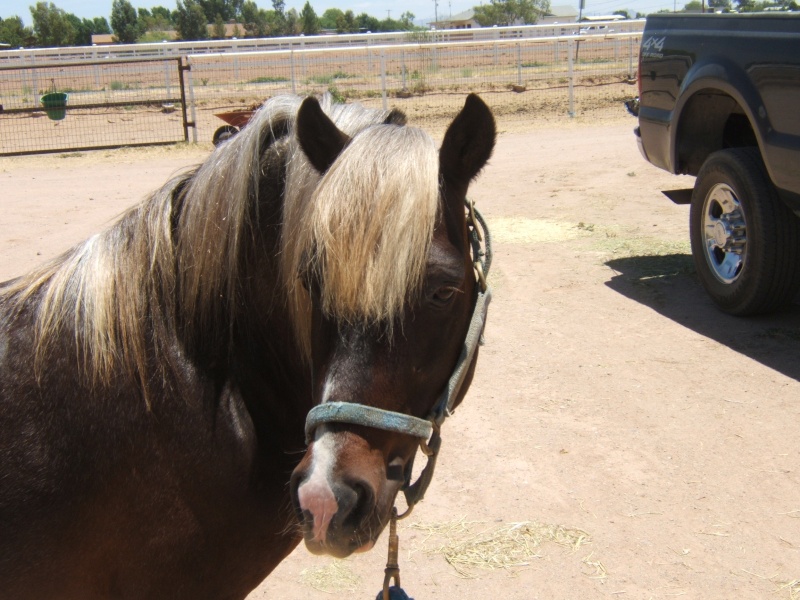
622, 438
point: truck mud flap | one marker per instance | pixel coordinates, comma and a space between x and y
679, 196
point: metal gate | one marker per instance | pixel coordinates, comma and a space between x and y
70, 106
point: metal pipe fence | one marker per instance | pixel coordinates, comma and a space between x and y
149, 101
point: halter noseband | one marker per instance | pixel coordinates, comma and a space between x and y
427, 430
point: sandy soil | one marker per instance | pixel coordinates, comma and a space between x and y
644, 444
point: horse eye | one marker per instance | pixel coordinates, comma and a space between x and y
445, 294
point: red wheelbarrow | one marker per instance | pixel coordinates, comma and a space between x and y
235, 120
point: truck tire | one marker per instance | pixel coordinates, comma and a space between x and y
745, 240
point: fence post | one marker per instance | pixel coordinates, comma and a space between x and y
383, 78
403, 58
291, 59
519, 64
191, 94
571, 77
630, 58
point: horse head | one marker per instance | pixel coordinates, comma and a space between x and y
387, 325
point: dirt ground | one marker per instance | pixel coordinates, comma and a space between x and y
622, 438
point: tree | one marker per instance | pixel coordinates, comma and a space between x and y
347, 23
125, 21
218, 31
254, 19
280, 25
162, 15
510, 12
190, 21
407, 20
724, 5
330, 19
86, 28
309, 22
51, 25
292, 22
14, 33
365, 22
227, 9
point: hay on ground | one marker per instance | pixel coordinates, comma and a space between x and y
332, 578
511, 546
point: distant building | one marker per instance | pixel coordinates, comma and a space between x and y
463, 20
103, 39
562, 13
466, 20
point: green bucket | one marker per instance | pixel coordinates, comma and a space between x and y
55, 105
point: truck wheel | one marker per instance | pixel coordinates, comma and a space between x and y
745, 241
223, 134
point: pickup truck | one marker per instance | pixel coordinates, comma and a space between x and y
719, 98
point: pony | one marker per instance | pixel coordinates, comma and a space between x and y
156, 379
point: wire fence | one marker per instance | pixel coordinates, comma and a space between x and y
91, 105
149, 101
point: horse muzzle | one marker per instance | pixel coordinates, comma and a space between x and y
342, 504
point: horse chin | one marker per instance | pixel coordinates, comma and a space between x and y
335, 549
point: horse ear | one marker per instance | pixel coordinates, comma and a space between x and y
319, 138
468, 143
395, 117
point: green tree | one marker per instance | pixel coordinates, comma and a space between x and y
254, 19
218, 31
125, 21
346, 23
309, 22
330, 19
14, 33
278, 24
693, 6
407, 20
85, 28
724, 5
156, 20
227, 9
51, 26
161, 13
190, 21
291, 23
366, 22
510, 12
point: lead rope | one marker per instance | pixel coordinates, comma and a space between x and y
392, 570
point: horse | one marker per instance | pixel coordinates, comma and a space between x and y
157, 381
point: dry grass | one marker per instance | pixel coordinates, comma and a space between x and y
522, 230
469, 547
333, 578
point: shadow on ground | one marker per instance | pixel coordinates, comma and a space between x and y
668, 285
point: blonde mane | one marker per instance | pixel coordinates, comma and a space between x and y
363, 230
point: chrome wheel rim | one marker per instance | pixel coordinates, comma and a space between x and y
724, 233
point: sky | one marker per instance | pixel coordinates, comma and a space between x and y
424, 10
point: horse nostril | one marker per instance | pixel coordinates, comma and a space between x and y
362, 502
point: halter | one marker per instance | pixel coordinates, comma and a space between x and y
427, 430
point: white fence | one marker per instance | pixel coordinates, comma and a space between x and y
175, 49
521, 78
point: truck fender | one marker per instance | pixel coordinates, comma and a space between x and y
720, 74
